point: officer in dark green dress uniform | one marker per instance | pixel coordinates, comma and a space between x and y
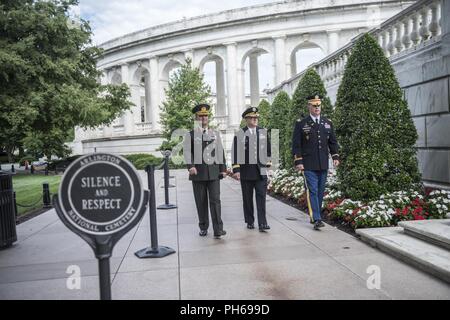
312, 143
205, 160
251, 162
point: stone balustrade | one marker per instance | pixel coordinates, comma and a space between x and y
414, 28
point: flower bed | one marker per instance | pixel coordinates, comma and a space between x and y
384, 212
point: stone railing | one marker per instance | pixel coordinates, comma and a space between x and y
413, 28
143, 127
118, 129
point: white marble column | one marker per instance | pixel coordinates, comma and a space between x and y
107, 130
128, 116
220, 88
147, 99
254, 80
333, 41
155, 97
232, 85
280, 59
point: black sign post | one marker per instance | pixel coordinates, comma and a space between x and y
100, 199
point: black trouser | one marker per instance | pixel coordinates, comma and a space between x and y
260, 187
204, 190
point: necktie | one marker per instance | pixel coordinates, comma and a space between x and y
317, 121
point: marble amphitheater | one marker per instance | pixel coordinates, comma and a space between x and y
415, 35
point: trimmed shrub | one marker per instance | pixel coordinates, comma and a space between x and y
310, 84
264, 113
280, 118
374, 127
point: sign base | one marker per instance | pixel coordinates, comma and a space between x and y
167, 207
160, 252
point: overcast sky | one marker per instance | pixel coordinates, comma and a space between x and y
113, 18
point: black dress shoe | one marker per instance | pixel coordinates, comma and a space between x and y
221, 233
263, 227
250, 226
318, 225
203, 233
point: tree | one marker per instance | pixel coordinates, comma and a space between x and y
280, 118
374, 127
49, 80
186, 89
264, 112
310, 84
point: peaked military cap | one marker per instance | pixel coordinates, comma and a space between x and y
201, 109
251, 112
315, 100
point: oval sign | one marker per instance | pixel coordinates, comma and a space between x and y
101, 194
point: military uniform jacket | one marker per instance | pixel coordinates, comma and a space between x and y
251, 158
213, 163
312, 143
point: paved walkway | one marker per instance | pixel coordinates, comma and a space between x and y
290, 262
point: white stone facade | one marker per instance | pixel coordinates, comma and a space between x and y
144, 59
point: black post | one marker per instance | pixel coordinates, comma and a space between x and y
166, 205
13, 169
105, 278
166, 173
155, 251
46, 195
15, 204
46, 171
32, 169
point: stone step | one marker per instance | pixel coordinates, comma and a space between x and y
427, 257
432, 231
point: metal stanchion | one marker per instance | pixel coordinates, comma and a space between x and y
166, 167
46, 195
155, 251
13, 169
166, 205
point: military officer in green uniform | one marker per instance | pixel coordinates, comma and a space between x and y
251, 162
313, 141
205, 160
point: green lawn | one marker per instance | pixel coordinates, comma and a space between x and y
28, 190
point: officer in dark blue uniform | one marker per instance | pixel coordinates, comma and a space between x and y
313, 141
205, 160
251, 162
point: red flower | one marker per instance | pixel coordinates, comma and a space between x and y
405, 211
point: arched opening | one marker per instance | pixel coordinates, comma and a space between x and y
260, 76
212, 67
141, 88
168, 71
304, 55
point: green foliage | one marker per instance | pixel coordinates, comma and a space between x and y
280, 118
141, 160
48, 77
264, 113
374, 127
186, 89
310, 84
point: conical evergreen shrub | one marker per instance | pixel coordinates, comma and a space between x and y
264, 112
374, 127
310, 84
280, 118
